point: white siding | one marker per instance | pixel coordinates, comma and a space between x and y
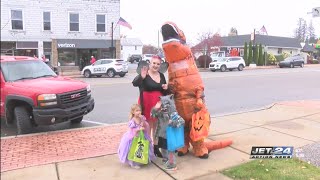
274, 50
33, 19
129, 50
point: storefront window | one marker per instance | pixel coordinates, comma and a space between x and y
67, 57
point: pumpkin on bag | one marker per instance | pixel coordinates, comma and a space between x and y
200, 125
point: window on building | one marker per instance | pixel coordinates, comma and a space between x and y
279, 50
121, 47
101, 23
74, 21
135, 47
241, 52
46, 21
17, 19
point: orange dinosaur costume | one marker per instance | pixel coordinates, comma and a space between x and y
187, 86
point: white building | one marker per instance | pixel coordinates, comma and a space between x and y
130, 46
79, 28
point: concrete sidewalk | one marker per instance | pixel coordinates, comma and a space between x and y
90, 153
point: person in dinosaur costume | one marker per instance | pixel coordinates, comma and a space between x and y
187, 86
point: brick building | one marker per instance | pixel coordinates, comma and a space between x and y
62, 30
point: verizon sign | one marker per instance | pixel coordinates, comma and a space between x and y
66, 45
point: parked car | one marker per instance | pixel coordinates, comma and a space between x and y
292, 62
230, 63
109, 67
32, 94
147, 57
134, 58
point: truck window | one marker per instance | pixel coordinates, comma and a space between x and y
18, 70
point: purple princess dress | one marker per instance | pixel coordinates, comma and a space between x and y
127, 138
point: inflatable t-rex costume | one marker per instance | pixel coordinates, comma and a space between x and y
187, 86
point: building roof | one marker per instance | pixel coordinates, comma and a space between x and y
131, 42
266, 40
308, 48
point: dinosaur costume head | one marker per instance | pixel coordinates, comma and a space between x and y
171, 31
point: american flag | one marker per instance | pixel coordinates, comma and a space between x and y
263, 30
124, 23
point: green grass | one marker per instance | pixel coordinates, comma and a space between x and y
274, 169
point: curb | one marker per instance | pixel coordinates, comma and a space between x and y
246, 111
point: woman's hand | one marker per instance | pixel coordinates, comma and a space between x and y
144, 72
165, 86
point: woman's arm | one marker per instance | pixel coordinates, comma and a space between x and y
137, 81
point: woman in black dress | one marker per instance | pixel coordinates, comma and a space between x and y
152, 84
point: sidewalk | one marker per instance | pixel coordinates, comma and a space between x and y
90, 153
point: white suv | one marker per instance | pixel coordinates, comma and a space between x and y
109, 67
147, 57
230, 63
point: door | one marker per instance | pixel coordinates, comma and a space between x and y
106, 64
97, 67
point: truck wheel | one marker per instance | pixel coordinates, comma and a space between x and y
87, 73
78, 120
22, 117
111, 73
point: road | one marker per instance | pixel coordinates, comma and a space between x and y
226, 92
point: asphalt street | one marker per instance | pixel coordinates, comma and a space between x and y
226, 92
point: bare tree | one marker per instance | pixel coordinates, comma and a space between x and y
207, 41
149, 49
301, 30
311, 33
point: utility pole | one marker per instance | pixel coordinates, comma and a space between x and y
158, 43
112, 40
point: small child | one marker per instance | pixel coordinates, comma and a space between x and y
137, 122
167, 115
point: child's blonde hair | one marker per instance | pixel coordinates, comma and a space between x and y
133, 108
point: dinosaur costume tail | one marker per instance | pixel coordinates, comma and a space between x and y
214, 145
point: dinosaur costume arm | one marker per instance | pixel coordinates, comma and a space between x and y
199, 96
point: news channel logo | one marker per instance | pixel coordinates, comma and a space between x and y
271, 152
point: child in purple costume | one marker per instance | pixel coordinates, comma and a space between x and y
137, 122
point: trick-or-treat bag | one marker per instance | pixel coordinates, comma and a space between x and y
200, 125
139, 150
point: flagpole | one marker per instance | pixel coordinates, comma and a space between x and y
112, 40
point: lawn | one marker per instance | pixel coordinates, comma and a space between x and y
279, 169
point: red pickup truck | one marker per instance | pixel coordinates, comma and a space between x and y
32, 94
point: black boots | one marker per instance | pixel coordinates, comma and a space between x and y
157, 153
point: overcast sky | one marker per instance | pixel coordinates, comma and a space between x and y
278, 16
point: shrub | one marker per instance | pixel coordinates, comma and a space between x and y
202, 60
285, 55
279, 57
271, 59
